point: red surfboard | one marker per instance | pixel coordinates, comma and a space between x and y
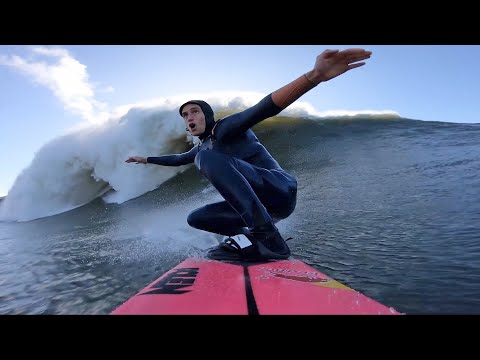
200, 286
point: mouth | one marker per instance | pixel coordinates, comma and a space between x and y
192, 126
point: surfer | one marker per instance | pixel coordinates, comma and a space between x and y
257, 192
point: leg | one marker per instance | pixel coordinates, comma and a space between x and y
243, 186
219, 218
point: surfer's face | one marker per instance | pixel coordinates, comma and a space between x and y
194, 119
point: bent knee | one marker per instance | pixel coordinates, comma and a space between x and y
199, 219
193, 219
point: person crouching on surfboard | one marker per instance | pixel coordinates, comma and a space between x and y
257, 192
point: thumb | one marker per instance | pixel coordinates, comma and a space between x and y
328, 53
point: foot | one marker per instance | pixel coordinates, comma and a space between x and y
236, 248
270, 242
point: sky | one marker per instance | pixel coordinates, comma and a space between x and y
45, 90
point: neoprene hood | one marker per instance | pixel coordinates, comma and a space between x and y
208, 111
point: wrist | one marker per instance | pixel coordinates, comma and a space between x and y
313, 77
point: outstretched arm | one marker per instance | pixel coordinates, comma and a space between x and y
328, 65
166, 160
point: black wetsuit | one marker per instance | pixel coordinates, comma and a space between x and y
257, 190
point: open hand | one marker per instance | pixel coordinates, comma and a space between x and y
136, 159
331, 63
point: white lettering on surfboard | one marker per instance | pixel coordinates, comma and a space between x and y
291, 274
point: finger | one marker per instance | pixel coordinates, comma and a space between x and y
357, 55
352, 59
353, 66
329, 53
354, 52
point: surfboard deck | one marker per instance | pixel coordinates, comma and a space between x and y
199, 286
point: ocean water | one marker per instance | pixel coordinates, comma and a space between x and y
386, 205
